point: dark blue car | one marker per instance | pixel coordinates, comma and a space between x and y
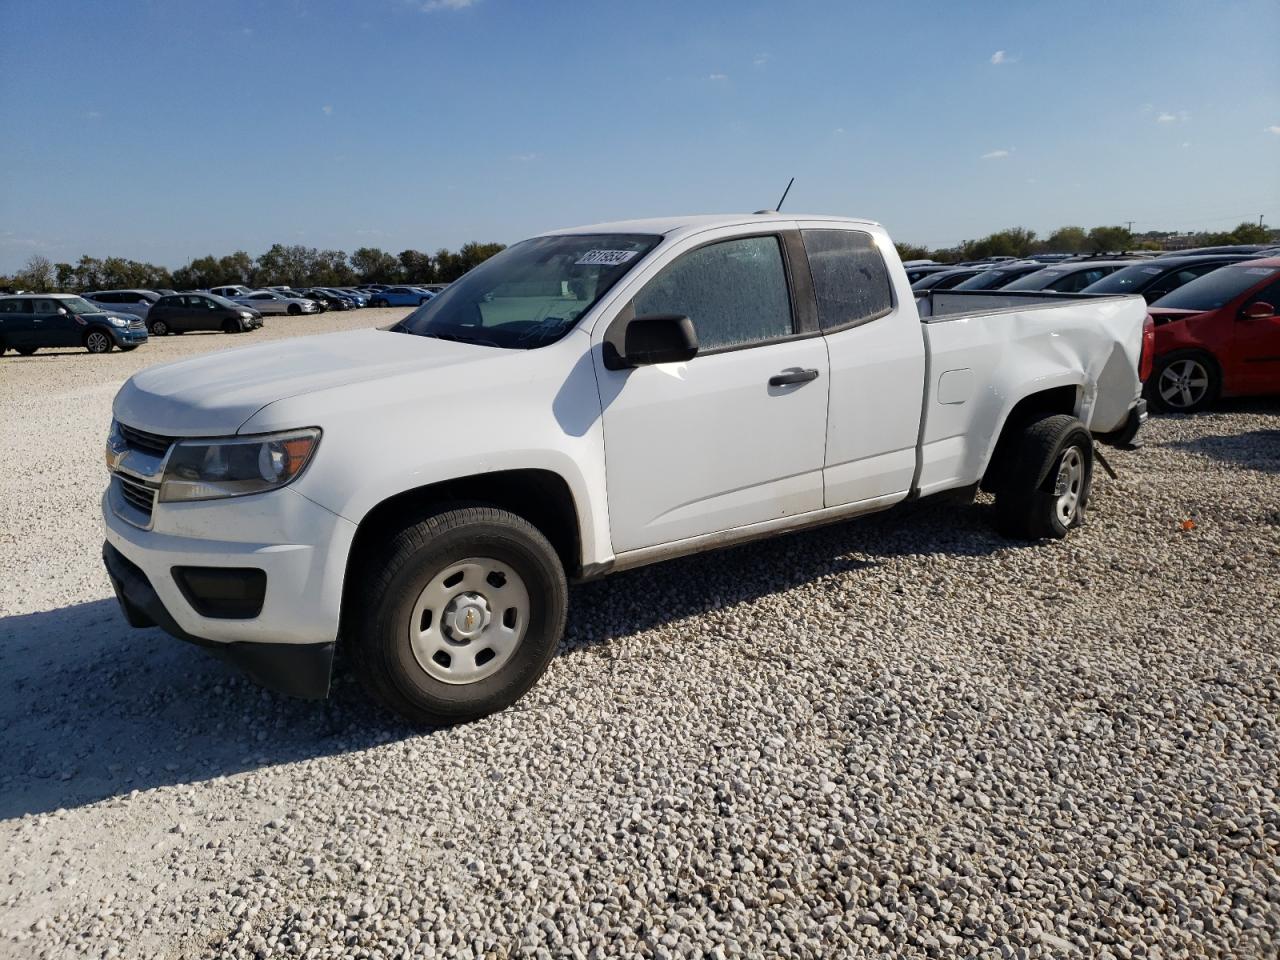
31, 321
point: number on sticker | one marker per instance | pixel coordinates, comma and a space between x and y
607, 258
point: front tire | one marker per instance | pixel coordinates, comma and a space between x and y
378, 303
1185, 381
26, 351
159, 328
1046, 479
95, 341
461, 615
294, 310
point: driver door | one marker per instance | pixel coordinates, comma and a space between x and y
711, 445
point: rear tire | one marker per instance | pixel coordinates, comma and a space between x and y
477, 569
26, 351
1045, 479
1184, 381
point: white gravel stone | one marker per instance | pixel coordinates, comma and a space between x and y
902, 736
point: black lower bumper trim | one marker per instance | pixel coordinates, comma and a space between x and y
296, 669
1128, 433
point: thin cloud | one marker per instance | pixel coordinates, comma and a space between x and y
995, 155
1164, 116
433, 5
524, 157
1001, 57
760, 59
1274, 129
719, 77
838, 130
327, 110
93, 115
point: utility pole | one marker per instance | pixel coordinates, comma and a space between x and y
1130, 225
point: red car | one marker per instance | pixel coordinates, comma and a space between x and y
1218, 335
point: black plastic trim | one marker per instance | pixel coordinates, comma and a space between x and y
295, 669
223, 593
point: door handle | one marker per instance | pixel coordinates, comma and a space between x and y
794, 375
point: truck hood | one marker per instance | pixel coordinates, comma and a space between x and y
215, 394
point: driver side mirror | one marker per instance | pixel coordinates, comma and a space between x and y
1258, 310
633, 341
62, 311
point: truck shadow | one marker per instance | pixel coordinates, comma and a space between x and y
92, 709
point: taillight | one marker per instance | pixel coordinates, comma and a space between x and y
1147, 359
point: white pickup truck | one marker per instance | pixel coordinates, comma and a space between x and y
586, 401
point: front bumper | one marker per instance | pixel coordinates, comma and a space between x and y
129, 336
300, 547
299, 670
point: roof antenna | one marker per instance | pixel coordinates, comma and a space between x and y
781, 201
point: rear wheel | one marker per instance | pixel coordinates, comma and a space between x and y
1184, 381
95, 341
159, 328
461, 615
1045, 480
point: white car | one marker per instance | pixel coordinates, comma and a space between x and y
584, 402
232, 291
270, 301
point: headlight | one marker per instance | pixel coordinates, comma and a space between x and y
118, 321
246, 315
235, 467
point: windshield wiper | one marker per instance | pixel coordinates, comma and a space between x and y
455, 338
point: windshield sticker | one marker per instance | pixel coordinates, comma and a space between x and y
1151, 271
607, 258
1260, 271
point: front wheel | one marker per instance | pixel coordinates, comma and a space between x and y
1184, 382
461, 617
294, 310
1046, 479
378, 303
159, 328
27, 351
97, 342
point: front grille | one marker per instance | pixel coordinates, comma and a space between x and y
151, 443
137, 494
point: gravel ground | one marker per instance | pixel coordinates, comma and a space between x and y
899, 735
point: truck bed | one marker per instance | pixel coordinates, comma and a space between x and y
984, 347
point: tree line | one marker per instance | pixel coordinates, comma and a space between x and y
1021, 242
291, 265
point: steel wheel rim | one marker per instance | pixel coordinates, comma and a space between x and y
1069, 486
1183, 383
97, 343
469, 620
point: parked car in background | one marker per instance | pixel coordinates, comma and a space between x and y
400, 297
1218, 335
186, 312
268, 301
1067, 277
1223, 248
945, 279
357, 297
136, 302
432, 287
1161, 276
922, 270
327, 299
1000, 276
30, 322
233, 291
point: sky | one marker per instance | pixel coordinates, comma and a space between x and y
169, 129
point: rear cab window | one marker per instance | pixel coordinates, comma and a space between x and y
850, 280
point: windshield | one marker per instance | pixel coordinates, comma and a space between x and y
1036, 280
530, 294
1214, 289
223, 301
79, 305
1128, 280
985, 280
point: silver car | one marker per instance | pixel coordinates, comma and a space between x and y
136, 302
269, 301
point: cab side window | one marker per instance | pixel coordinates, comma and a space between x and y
734, 291
850, 279
45, 307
